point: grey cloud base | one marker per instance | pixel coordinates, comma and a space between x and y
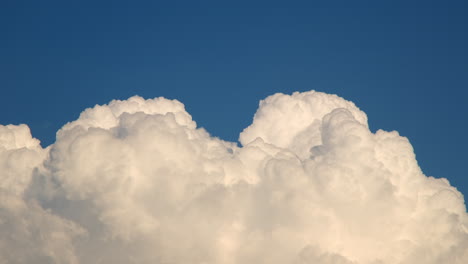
136, 181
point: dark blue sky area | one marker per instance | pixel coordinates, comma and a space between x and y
405, 64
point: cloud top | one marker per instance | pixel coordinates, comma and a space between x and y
136, 181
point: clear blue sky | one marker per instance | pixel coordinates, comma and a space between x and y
404, 63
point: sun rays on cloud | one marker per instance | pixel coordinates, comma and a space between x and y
136, 181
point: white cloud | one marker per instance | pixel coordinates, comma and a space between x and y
136, 182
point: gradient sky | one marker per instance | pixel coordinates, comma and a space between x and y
404, 64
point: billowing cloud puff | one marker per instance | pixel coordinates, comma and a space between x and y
136, 181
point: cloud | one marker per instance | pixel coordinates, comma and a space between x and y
136, 181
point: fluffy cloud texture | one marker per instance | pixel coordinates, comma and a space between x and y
136, 181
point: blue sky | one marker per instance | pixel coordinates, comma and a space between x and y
404, 64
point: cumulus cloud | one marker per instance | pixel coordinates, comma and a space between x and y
136, 181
